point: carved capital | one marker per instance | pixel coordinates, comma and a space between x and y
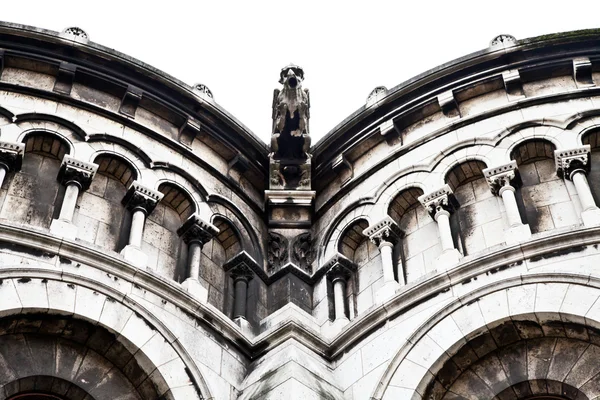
571, 160
11, 156
385, 230
241, 272
139, 197
73, 171
439, 200
195, 229
241, 266
501, 176
339, 267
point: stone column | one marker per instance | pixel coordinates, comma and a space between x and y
385, 234
141, 201
339, 276
195, 232
574, 164
503, 181
76, 176
241, 274
441, 204
11, 158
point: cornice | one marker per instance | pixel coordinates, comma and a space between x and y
556, 243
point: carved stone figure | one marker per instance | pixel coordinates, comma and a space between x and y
291, 139
277, 251
302, 251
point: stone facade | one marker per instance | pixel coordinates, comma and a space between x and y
440, 243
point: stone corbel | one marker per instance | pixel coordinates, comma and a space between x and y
582, 71
439, 200
73, 171
572, 160
131, 100
385, 230
195, 229
239, 162
501, 176
64, 78
342, 166
11, 156
513, 84
448, 104
188, 131
139, 197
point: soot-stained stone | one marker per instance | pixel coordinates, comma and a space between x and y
465, 357
522, 390
471, 386
514, 362
448, 373
566, 353
539, 356
528, 329
505, 334
483, 344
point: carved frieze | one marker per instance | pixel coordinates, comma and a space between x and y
303, 253
501, 176
139, 197
277, 251
78, 172
198, 230
571, 160
439, 200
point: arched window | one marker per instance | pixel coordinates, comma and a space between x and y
33, 195
355, 246
101, 218
543, 197
477, 223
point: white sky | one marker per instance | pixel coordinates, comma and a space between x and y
237, 48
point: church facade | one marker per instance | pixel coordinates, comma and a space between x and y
440, 243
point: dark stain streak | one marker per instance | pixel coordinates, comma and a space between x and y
24, 280
558, 253
64, 260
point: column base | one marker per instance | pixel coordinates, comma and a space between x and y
66, 229
332, 328
447, 259
195, 288
387, 291
517, 234
591, 217
135, 256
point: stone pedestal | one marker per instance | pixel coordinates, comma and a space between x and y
63, 228
195, 288
387, 291
332, 328
517, 234
591, 217
135, 256
289, 208
447, 260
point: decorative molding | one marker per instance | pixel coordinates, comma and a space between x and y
503, 40
11, 156
439, 200
385, 230
196, 229
376, 95
142, 198
203, 91
503, 175
78, 172
571, 160
76, 33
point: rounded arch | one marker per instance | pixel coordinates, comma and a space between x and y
405, 201
331, 238
47, 143
123, 146
483, 314
136, 329
229, 235
352, 238
464, 172
117, 166
532, 150
177, 198
187, 186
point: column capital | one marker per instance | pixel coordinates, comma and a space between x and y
502, 176
572, 160
386, 230
11, 156
339, 267
241, 266
139, 197
73, 171
438, 201
195, 229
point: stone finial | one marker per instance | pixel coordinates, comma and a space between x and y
202, 90
571, 160
503, 40
385, 230
78, 172
439, 200
141, 198
11, 156
75, 32
338, 267
195, 229
501, 176
376, 94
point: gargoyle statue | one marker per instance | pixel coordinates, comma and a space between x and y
290, 138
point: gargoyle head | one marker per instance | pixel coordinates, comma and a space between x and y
291, 77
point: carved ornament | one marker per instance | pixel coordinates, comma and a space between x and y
73, 171
11, 156
385, 230
139, 197
303, 252
195, 229
572, 160
277, 251
501, 176
439, 200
